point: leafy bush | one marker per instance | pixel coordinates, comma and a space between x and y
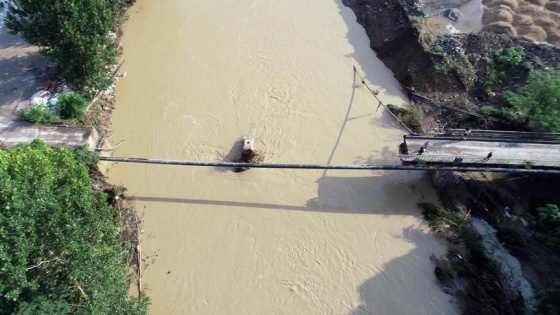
438, 49
488, 111
39, 114
83, 155
444, 67
60, 249
440, 219
509, 57
501, 63
71, 105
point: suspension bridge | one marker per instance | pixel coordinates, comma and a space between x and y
512, 152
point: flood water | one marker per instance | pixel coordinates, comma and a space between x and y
201, 74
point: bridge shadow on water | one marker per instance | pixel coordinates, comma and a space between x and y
357, 195
405, 284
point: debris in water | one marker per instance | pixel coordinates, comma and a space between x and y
249, 154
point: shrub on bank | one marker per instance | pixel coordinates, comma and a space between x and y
412, 116
501, 64
68, 106
467, 271
71, 105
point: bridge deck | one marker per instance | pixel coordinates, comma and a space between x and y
508, 149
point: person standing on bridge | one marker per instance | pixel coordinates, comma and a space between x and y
487, 157
467, 133
421, 150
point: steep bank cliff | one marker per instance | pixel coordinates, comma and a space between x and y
447, 66
397, 44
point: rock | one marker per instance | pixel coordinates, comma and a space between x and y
453, 14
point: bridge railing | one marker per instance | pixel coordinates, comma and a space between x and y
475, 160
543, 136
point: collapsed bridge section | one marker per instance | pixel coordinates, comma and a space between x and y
482, 148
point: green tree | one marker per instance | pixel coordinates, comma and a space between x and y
73, 33
536, 104
60, 246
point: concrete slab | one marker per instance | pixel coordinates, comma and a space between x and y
14, 132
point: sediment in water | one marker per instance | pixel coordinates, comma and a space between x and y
268, 240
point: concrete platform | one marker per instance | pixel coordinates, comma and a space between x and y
14, 132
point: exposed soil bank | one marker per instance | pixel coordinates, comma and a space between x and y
397, 44
408, 53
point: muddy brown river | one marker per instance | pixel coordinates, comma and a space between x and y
200, 75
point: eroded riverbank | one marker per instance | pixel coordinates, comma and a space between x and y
200, 75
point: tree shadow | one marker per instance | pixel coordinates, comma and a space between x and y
407, 284
11, 124
23, 72
385, 156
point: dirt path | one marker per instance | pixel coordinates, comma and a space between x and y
21, 74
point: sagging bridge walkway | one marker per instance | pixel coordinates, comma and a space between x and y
512, 152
